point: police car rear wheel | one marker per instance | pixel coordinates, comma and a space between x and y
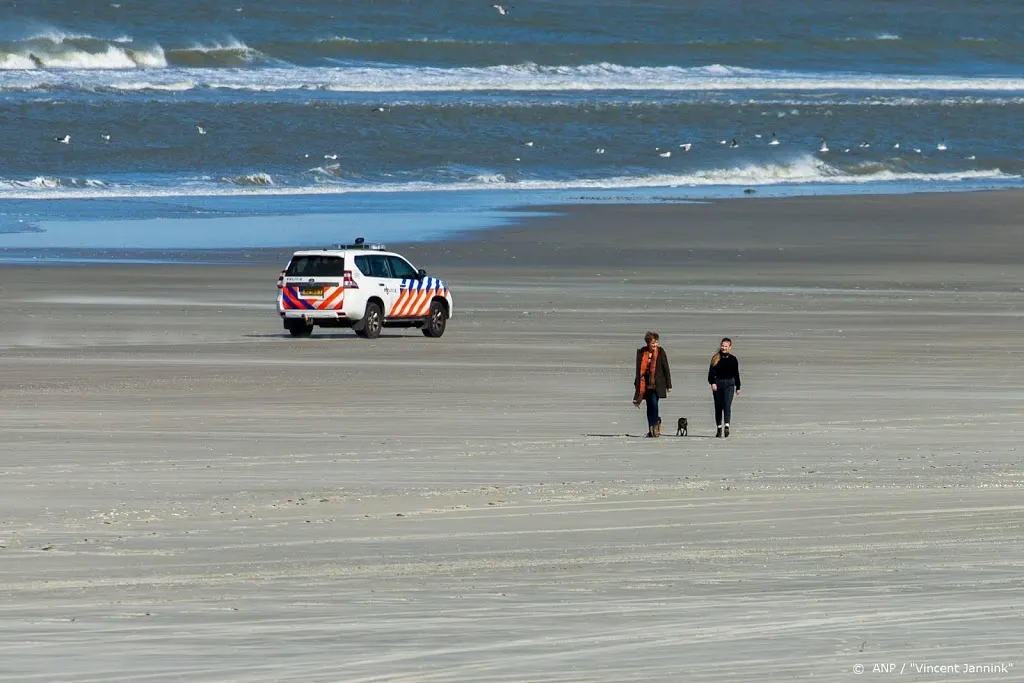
373, 322
436, 321
300, 330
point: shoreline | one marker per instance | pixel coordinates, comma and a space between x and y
518, 226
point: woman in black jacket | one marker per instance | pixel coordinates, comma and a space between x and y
724, 378
653, 380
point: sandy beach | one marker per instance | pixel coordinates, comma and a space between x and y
190, 494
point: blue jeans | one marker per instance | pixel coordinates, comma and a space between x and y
653, 418
723, 401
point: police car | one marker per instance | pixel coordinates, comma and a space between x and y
361, 286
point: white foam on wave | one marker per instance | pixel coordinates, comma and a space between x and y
804, 170
259, 179
53, 48
519, 77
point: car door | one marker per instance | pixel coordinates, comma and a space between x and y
413, 294
377, 276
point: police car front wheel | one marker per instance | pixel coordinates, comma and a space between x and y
437, 320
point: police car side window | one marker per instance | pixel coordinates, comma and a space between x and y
400, 268
373, 265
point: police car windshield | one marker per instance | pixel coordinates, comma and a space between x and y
316, 266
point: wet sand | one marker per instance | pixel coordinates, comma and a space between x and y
192, 495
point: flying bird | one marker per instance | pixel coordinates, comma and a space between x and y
202, 131
502, 10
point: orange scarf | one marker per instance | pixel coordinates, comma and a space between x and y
648, 365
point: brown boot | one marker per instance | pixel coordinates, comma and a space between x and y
657, 429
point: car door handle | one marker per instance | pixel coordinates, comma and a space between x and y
382, 284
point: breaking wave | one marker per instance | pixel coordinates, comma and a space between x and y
55, 49
805, 170
526, 77
250, 180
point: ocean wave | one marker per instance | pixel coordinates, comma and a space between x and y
259, 179
44, 183
231, 53
55, 49
803, 170
527, 77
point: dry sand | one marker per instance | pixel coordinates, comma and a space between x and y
191, 495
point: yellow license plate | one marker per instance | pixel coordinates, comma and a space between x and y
311, 291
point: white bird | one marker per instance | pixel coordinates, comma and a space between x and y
518, 159
599, 150
733, 144
501, 10
66, 139
686, 146
774, 140
528, 144
662, 154
106, 137
971, 158
941, 146
917, 149
723, 142
865, 144
202, 131
332, 157
757, 135
896, 146
846, 150
824, 146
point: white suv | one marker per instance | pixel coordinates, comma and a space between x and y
361, 286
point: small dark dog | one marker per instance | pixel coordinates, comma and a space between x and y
683, 428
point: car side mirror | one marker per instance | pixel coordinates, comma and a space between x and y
421, 274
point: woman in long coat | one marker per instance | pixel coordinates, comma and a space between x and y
653, 380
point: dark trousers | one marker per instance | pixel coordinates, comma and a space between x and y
652, 408
723, 402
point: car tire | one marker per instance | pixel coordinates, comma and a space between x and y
299, 329
372, 323
437, 320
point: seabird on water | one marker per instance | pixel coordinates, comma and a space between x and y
66, 139
686, 146
733, 144
941, 146
332, 157
106, 137
824, 145
202, 131
774, 140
